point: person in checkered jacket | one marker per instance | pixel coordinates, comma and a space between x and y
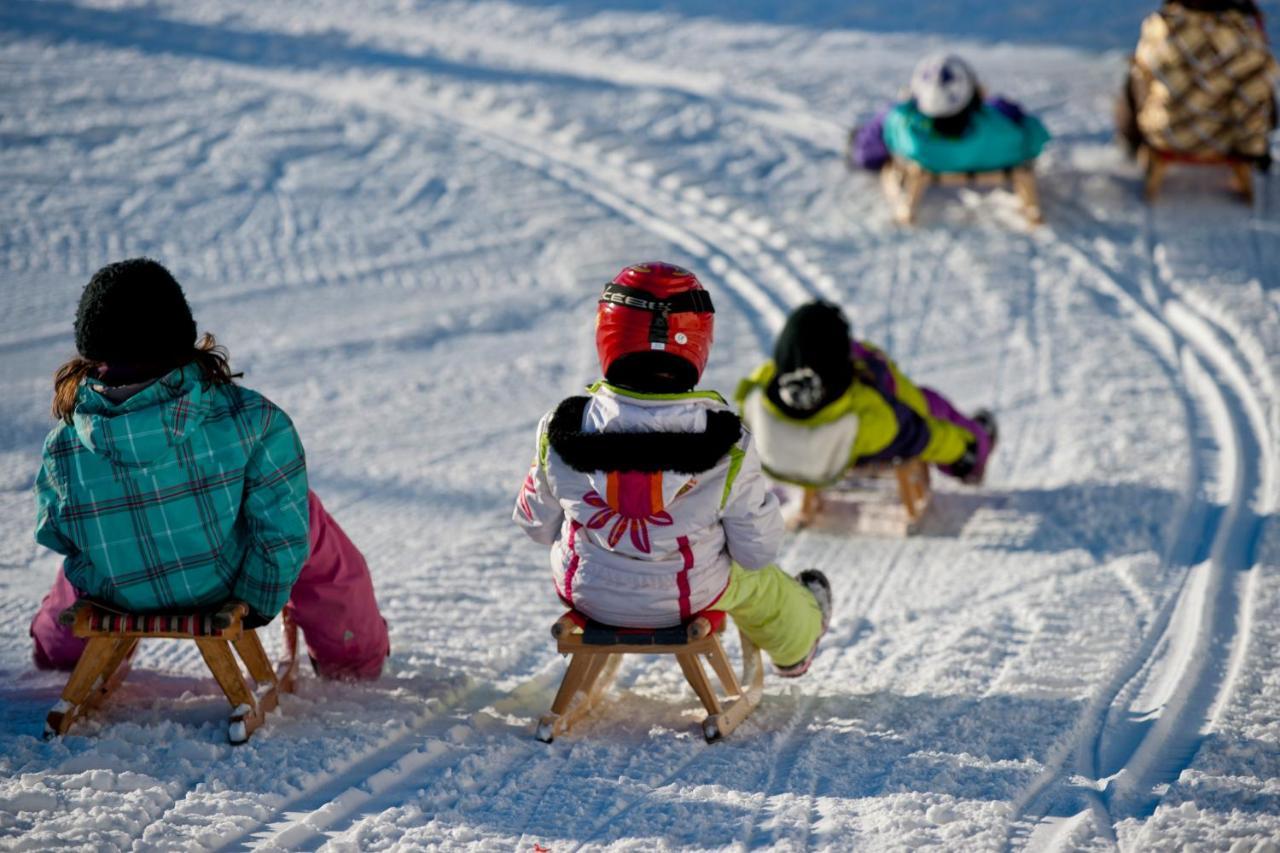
1202, 83
166, 486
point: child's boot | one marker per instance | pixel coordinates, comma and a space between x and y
972, 467
816, 582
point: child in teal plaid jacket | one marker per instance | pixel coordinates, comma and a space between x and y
167, 486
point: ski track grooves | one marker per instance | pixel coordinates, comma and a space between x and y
1202, 629
701, 226
793, 745
339, 792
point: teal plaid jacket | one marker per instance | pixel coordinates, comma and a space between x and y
183, 496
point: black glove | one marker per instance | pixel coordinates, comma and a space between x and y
964, 466
254, 619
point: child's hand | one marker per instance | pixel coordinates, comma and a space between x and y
254, 619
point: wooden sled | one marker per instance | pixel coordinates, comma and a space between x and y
905, 182
596, 650
869, 509
1155, 164
113, 637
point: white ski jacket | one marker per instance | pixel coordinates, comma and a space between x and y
645, 501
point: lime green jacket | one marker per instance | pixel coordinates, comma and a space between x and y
882, 417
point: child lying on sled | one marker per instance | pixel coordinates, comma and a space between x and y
827, 403
947, 126
166, 486
650, 493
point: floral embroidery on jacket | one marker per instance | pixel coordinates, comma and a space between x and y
638, 527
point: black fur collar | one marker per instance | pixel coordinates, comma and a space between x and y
682, 452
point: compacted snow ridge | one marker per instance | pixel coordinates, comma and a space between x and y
1161, 705
398, 220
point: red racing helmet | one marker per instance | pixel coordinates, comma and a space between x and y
654, 326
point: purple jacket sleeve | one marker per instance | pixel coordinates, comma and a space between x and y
1008, 109
866, 146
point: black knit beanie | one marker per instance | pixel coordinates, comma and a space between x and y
134, 313
813, 360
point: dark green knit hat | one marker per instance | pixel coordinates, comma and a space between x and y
134, 312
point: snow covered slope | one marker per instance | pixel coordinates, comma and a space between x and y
398, 221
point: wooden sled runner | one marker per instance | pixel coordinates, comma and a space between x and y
1155, 164
113, 637
905, 182
867, 504
596, 650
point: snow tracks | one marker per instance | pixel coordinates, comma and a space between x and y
1147, 723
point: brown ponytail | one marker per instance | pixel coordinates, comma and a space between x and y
212, 359
65, 384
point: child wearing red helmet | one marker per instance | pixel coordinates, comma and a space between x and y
650, 493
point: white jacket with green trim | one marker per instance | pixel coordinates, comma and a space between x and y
646, 500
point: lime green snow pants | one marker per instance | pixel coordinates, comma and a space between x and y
774, 610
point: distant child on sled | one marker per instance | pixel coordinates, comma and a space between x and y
650, 493
167, 486
1201, 83
947, 125
827, 403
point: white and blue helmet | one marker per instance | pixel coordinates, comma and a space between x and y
943, 85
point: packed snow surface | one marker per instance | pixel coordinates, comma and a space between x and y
397, 215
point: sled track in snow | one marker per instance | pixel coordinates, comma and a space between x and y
1182, 673
747, 254
382, 777
795, 747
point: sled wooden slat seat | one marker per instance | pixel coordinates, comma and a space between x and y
595, 652
914, 495
113, 638
904, 183
1155, 163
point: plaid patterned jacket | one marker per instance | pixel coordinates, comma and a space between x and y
182, 496
1204, 83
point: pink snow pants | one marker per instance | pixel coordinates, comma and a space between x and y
332, 602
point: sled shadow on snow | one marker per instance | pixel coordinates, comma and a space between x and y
147, 697
1107, 520
153, 696
637, 768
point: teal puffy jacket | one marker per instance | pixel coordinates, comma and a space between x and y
992, 141
183, 496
